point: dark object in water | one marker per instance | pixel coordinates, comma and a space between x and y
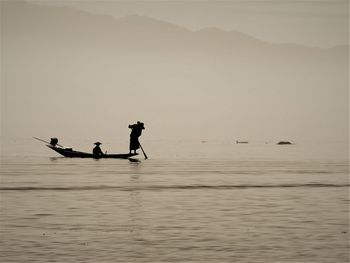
241, 142
69, 152
284, 143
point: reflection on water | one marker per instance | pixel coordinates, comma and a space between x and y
207, 209
133, 160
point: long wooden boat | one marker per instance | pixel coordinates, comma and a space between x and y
69, 152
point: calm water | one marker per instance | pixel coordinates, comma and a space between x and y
190, 202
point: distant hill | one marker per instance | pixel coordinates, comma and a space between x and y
34, 21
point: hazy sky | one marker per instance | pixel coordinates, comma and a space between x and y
310, 22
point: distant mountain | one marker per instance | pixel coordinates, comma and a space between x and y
61, 26
33, 21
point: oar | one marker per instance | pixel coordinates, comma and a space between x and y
46, 141
143, 152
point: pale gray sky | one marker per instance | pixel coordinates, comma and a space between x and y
321, 23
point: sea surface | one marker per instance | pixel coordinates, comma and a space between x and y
205, 201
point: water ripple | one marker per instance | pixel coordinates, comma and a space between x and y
167, 187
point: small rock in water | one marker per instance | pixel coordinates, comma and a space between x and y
284, 143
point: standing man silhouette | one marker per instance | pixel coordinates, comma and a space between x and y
136, 131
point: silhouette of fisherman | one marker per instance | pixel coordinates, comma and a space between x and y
97, 150
136, 130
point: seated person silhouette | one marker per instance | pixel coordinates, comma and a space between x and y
97, 150
54, 142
